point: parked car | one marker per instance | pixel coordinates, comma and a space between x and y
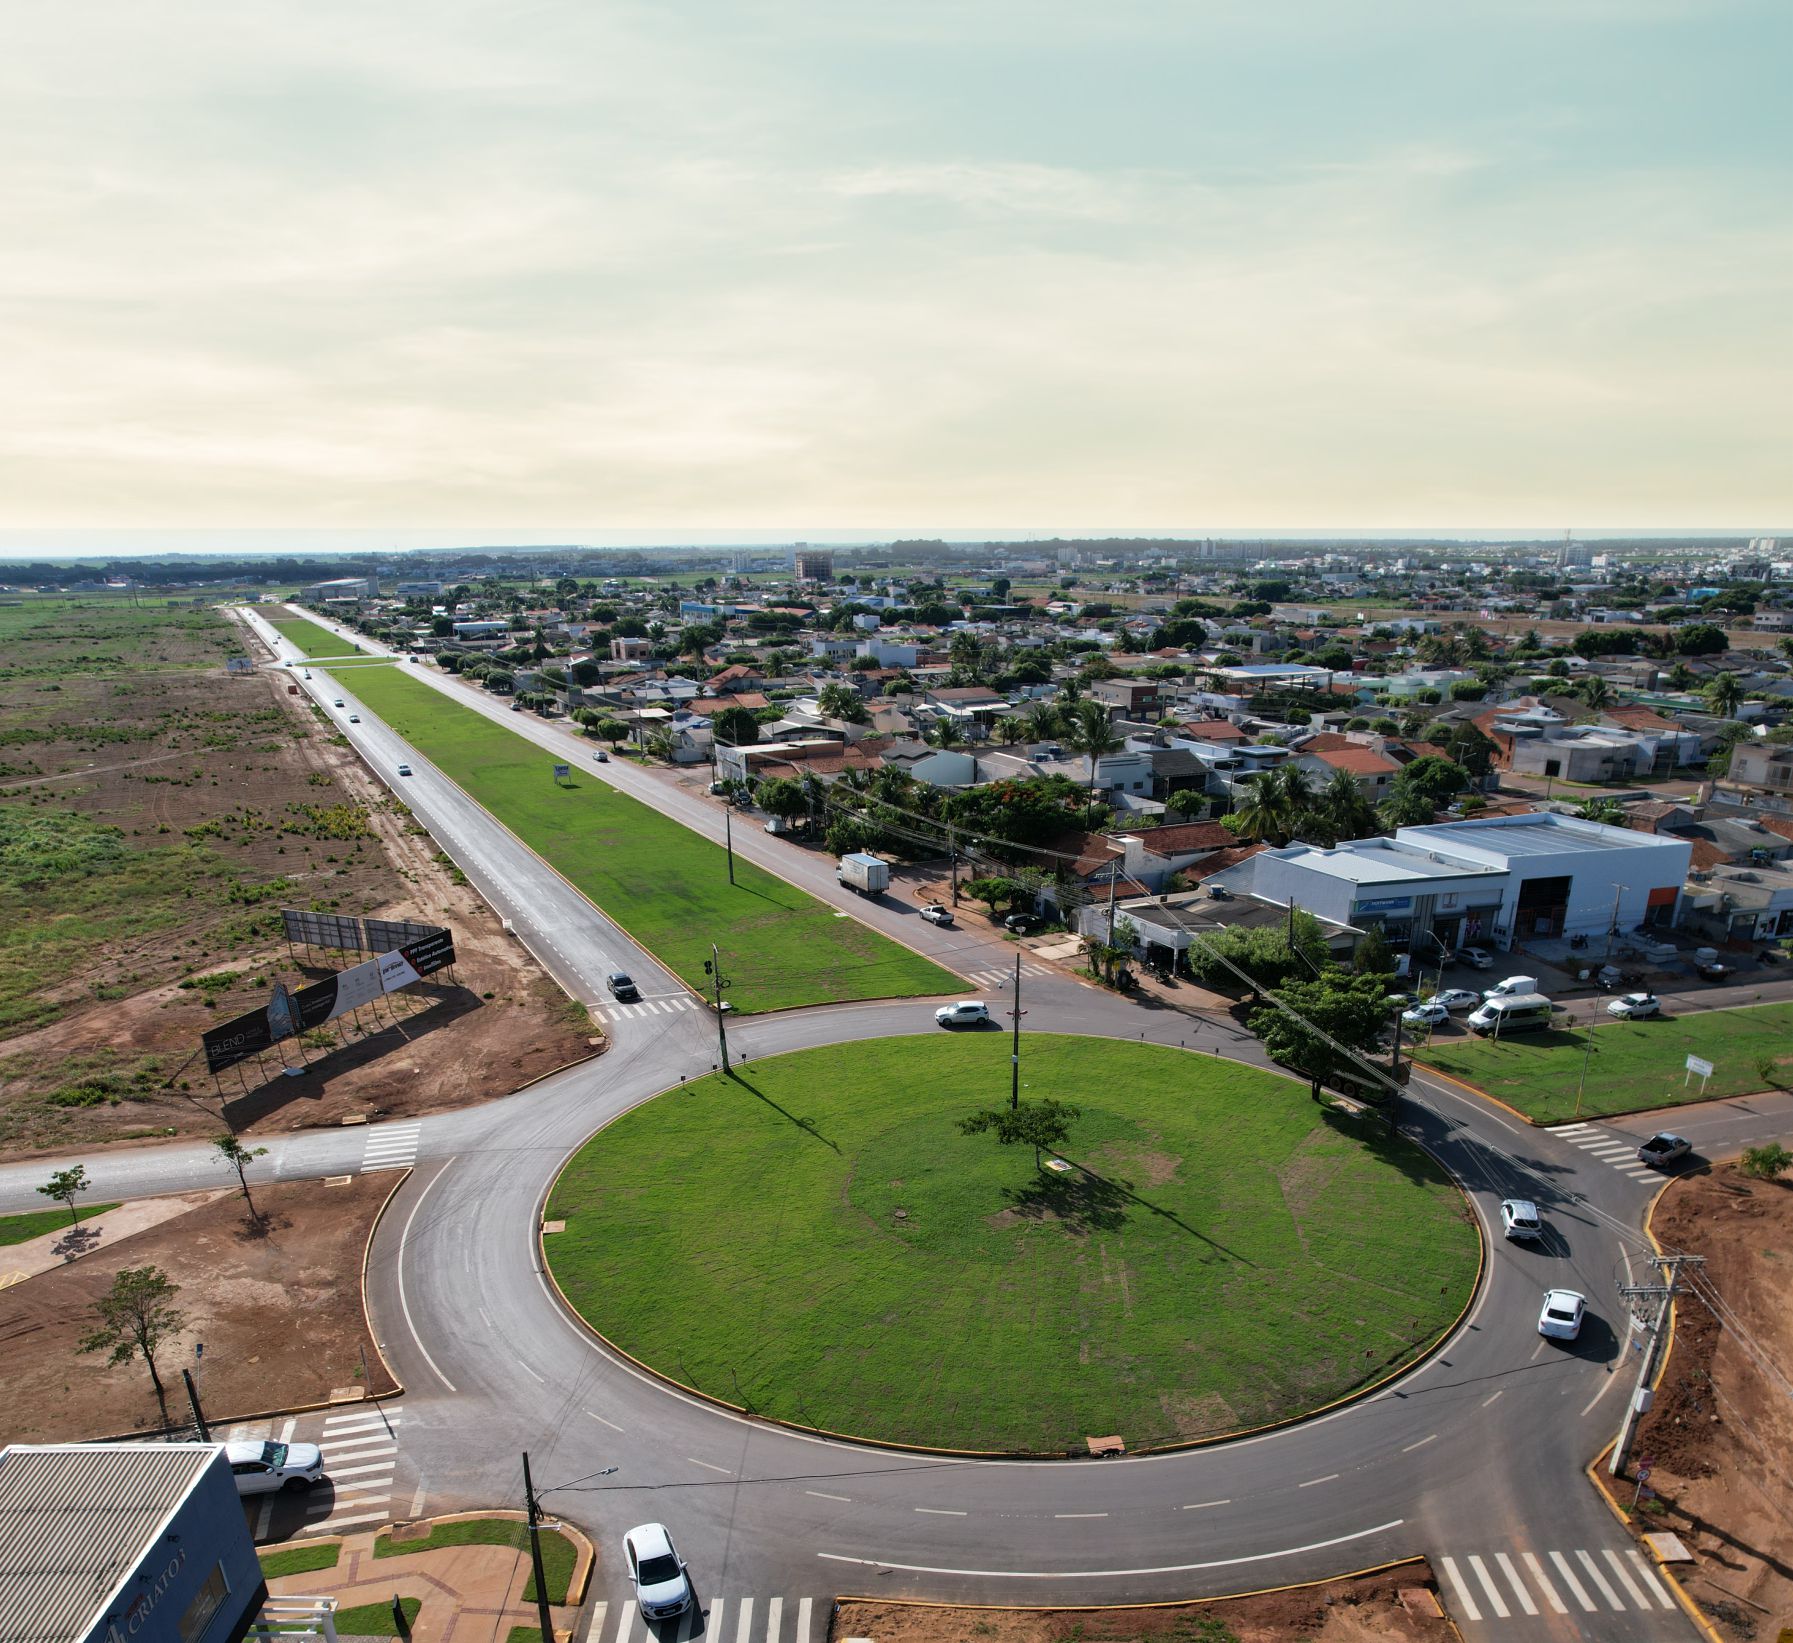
717, 789
260, 1467
1519, 1218
1560, 1319
968, 1012
1219, 892
1425, 1015
1663, 1149
1021, 924
1633, 1005
622, 986
1477, 958
1512, 987
1456, 998
656, 1571
936, 914
404, 770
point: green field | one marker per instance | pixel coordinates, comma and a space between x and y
1635, 1065
312, 640
34, 1223
666, 886
815, 1240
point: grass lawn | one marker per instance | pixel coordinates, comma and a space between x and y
558, 1555
817, 1241
1636, 1065
312, 640
666, 886
16, 1229
375, 1619
300, 1560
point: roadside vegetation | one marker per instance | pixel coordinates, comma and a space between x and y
1220, 1252
664, 884
313, 641
558, 1553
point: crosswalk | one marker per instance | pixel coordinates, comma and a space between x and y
671, 1005
1521, 1584
717, 1620
996, 979
1610, 1147
360, 1457
391, 1146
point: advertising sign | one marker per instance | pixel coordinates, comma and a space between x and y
1695, 1064
1383, 904
339, 930
385, 935
562, 772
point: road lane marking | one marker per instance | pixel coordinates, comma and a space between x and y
1618, 1568
263, 1517
1543, 1580
802, 1622
1429, 1438
625, 1623
938, 1511
1612, 1380
403, 1304
1601, 1581
1645, 1574
356, 1471
708, 1467
602, 1422
1079, 1514
1203, 1505
745, 1624
1491, 1397
1464, 1601
1109, 1574
774, 1618
1518, 1585
539, 1379
1496, 1601
334, 1523
1331, 1477
1569, 1580
820, 1496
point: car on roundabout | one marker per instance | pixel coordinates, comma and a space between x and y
1633, 1006
1560, 1319
968, 1012
657, 1572
1519, 1219
1663, 1149
261, 1466
1429, 1014
1456, 998
937, 914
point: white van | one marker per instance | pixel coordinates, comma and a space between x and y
1519, 1013
1511, 987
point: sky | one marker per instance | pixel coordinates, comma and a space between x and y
741, 267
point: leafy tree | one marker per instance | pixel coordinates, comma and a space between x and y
1042, 1125
1265, 955
992, 892
1437, 779
843, 702
1350, 1010
136, 1315
1595, 691
1374, 956
240, 1157
946, 732
1767, 1163
612, 729
735, 727
65, 1185
1701, 639
1609, 811
1724, 695
782, 796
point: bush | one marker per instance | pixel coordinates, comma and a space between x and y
1767, 1163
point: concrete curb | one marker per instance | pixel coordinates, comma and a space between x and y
1692, 1609
367, 1251
585, 1553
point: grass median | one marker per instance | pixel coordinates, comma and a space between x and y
1634, 1066
664, 884
313, 641
816, 1240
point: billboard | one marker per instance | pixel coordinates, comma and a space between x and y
238, 665
323, 929
385, 935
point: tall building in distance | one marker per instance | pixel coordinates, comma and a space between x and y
812, 564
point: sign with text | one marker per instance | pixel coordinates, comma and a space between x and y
1701, 1069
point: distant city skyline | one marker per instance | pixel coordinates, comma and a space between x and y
706, 270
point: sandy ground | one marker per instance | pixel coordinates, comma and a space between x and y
1720, 1438
494, 1023
277, 1305
1399, 1603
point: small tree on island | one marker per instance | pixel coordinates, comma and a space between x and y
65, 1185
136, 1316
1042, 1125
240, 1157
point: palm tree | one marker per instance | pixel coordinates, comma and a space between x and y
1010, 728
1596, 692
1041, 721
1092, 734
1346, 808
1725, 695
1297, 787
1263, 813
946, 732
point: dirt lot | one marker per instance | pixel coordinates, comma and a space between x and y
159, 816
278, 1306
1357, 1610
1721, 1434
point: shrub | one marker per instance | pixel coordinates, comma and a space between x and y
1767, 1163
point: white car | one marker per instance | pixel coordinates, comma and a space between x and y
1456, 998
261, 1467
404, 770
1428, 1014
657, 1572
1561, 1318
339, 701
936, 914
1634, 1005
1477, 958
1519, 1218
967, 1012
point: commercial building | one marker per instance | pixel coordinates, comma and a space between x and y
342, 587
813, 565
124, 1543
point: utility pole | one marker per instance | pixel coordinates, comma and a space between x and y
713, 969
1015, 1048
952, 859
728, 837
205, 1432
1113, 879
1612, 928
545, 1619
1587, 1053
1650, 1356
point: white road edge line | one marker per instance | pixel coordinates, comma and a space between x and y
1612, 1380
1109, 1574
405, 1305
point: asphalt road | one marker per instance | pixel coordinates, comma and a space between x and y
1473, 1458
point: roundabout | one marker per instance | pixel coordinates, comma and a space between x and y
815, 1240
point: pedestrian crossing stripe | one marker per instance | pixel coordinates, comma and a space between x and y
1620, 1153
647, 1007
1615, 1580
723, 1620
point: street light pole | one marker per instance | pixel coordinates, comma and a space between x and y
715, 969
1015, 1046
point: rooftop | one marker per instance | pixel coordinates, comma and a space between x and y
1378, 861
1540, 833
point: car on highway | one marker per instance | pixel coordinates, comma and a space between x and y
1519, 1218
354, 718
1662, 1149
657, 1572
601, 756
261, 1466
1477, 958
1428, 1014
968, 1012
1560, 1319
936, 914
1456, 998
340, 702
1634, 1005
404, 770
622, 986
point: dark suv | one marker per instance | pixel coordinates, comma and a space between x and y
622, 986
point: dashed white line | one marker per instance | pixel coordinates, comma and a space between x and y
932, 1511
708, 1467
602, 1422
820, 1496
540, 1379
1429, 1438
1491, 1397
1079, 1514
1203, 1505
1331, 1477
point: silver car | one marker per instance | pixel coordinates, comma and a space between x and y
969, 1012
656, 1571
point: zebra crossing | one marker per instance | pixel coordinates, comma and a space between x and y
1524, 1585
391, 1146
995, 980
360, 1459
1610, 1147
719, 1620
670, 1005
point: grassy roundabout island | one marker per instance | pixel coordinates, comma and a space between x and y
816, 1240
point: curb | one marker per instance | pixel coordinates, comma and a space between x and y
367, 1252
1423, 1356
1692, 1609
1471, 1089
585, 1552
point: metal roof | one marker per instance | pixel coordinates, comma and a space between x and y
1542, 833
75, 1521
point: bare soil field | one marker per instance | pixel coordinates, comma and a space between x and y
277, 1304
1721, 1433
157, 815
1396, 1604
